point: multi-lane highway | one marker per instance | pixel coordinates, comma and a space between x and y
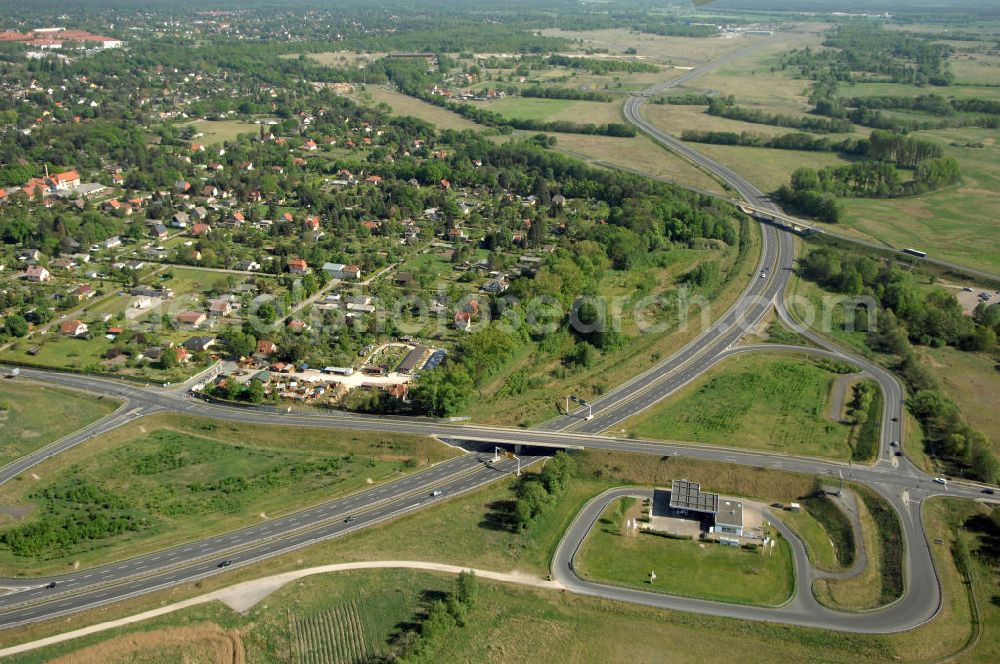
34, 600
895, 478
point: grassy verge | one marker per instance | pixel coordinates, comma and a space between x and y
513, 623
765, 401
867, 435
881, 582
612, 554
179, 478
819, 546
33, 415
835, 524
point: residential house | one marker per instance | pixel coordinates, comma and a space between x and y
248, 266
29, 256
200, 229
220, 308
335, 270
266, 348
37, 273
298, 266
158, 231
180, 220
463, 321
73, 328
65, 181
199, 343
193, 319
85, 292
352, 272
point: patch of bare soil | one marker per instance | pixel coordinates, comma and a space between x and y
17, 511
200, 644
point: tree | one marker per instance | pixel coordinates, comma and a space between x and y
168, 359
255, 391
15, 325
240, 343
467, 588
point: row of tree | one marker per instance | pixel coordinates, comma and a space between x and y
726, 107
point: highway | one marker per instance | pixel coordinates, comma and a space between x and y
895, 478
191, 561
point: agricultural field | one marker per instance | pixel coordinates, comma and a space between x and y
32, 415
705, 570
762, 401
222, 131
768, 168
181, 478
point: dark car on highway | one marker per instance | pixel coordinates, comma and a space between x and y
225, 563
350, 519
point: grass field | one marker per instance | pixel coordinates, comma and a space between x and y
946, 223
653, 48
33, 415
706, 570
973, 382
513, 624
179, 478
221, 131
765, 167
406, 105
761, 401
636, 154
549, 110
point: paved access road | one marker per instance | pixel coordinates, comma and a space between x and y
917, 606
895, 478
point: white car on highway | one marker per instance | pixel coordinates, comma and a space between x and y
941, 480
